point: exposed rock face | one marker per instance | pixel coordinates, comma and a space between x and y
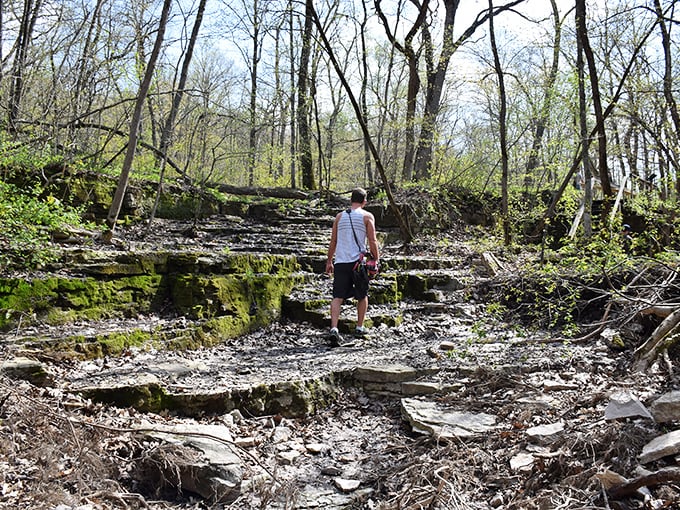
192, 458
26, 369
666, 408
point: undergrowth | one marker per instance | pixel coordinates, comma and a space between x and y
28, 217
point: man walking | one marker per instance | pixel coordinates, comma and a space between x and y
351, 229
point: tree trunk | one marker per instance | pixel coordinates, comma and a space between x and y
582, 34
413, 86
293, 118
83, 98
26, 26
252, 128
502, 128
406, 233
583, 132
168, 127
435, 82
661, 338
136, 119
305, 141
368, 169
668, 76
544, 113
552, 207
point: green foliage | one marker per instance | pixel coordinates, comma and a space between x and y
601, 252
662, 225
27, 219
17, 158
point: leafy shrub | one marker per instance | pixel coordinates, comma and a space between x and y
27, 220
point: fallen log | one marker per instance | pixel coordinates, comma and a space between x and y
662, 311
661, 338
491, 263
263, 192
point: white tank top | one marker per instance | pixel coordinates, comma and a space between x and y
347, 249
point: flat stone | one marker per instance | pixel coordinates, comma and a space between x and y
212, 471
428, 418
624, 405
523, 461
346, 485
544, 434
558, 385
331, 471
667, 407
26, 369
414, 388
288, 457
316, 447
662, 446
281, 434
384, 373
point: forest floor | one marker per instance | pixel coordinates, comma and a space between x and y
60, 451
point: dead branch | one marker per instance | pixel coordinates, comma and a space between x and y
660, 339
665, 475
491, 263
661, 311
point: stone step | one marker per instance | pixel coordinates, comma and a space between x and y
155, 387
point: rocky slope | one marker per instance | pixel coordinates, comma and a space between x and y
442, 406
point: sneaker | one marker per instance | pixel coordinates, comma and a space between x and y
361, 331
334, 337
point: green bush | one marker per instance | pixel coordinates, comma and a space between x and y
27, 220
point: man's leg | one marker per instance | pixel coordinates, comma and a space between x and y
336, 305
362, 307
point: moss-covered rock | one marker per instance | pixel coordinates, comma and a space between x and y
27, 369
298, 398
144, 394
58, 300
247, 288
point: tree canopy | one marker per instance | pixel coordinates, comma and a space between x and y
330, 94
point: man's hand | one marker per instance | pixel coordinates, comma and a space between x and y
373, 268
329, 267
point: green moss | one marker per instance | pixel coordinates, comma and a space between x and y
219, 329
20, 299
62, 300
185, 206
291, 398
257, 264
242, 297
387, 289
145, 397
315, 304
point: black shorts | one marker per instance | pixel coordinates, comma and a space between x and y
343, 282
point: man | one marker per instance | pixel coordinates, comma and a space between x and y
351, 229
626, 237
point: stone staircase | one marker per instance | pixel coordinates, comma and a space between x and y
230, 313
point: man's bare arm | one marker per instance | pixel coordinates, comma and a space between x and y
372, 236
